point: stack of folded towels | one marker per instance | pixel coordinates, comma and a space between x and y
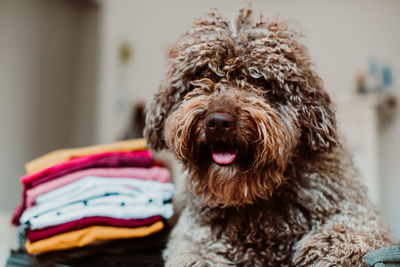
86, 196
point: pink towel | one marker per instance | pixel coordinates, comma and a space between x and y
155, 173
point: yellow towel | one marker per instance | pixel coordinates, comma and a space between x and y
60, 156
82, 237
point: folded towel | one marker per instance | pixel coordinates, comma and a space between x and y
97, 207
59, 156
47, 232
82, 237
141, 158
154, 173
96, 190
127, 251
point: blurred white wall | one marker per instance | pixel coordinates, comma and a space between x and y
44, 62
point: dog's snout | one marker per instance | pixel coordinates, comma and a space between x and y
219, 123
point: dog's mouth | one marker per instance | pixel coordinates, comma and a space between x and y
223, 153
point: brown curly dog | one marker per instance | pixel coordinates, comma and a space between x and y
269, 184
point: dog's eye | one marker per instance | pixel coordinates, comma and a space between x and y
265, 85
269, 90
205, 72
203, 78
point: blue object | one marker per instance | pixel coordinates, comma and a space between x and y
387, 77
383, 257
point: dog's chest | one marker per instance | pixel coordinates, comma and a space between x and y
256, 237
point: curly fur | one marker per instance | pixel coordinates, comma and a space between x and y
291, 197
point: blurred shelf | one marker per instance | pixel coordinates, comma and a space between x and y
360, 120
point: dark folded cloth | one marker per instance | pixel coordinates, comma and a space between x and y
19, 258
140, 252
128, 259
144, 251
142, 259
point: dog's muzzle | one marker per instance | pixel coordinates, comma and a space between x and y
220, 128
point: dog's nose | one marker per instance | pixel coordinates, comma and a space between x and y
219, 123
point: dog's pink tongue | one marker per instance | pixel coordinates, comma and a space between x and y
223, 157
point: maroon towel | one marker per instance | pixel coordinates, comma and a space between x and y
39, 234
109, 159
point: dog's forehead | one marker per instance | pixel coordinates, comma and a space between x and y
264, 51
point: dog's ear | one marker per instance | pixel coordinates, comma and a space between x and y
161, 105
171, 92
156, 112
318, 118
